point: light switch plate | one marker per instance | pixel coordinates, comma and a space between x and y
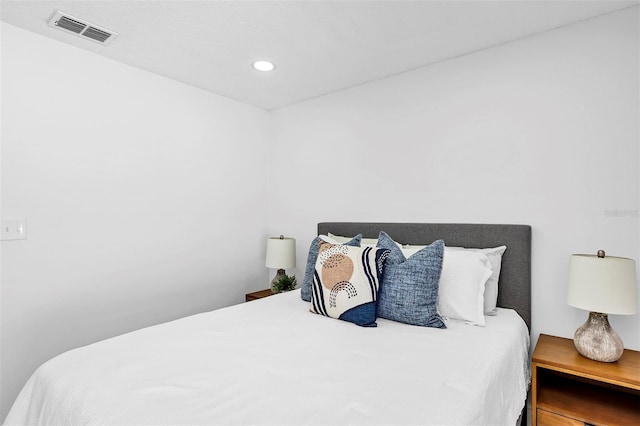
13, 229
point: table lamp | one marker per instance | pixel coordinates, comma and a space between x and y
281, 254
602, 285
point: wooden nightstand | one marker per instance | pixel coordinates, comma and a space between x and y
258, 295
569, 389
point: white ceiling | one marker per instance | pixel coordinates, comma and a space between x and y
318, 47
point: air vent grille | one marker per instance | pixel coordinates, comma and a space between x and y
70, 24
81, 28
96, 34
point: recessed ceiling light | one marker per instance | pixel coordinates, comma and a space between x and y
263, 66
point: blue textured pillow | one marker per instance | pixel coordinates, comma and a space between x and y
346, 282
409, 287
305, 292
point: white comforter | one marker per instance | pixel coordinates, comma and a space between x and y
270, 361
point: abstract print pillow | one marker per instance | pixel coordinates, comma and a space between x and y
409, 287
346, 281
305, 292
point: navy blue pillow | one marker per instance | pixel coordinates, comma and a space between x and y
409, 287
310, 270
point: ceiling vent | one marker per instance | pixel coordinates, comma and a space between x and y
81, 28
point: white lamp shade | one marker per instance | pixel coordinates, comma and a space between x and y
603, 284
281, 253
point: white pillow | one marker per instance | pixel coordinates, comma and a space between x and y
491, 287
365, 242
462, 282
330, 239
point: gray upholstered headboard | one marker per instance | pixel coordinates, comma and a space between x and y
514, 287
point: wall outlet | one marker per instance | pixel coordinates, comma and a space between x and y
13, 229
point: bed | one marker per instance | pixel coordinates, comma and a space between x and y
273, 362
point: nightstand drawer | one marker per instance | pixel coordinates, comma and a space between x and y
545, 418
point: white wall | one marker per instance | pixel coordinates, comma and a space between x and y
142, 203
126, 198
542, 131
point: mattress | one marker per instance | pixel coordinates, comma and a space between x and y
273, 362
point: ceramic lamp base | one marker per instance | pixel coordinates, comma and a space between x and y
279, 274
596, 340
